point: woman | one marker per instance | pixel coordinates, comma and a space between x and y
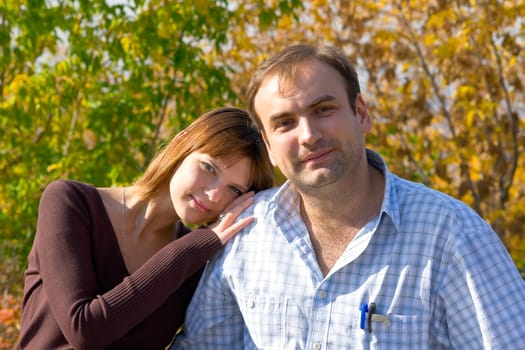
114, 268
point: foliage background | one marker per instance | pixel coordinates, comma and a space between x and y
91, 89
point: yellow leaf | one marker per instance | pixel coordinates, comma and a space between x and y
53, 167
512, 61
202, 6
465, 91
126, 44
471, 115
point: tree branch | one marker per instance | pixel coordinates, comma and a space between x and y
464, 164
504, 194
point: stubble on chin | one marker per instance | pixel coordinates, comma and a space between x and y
312, 181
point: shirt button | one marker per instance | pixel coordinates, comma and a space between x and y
317, 345
251, 303
322, 294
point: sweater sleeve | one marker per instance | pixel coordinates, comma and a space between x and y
65, 250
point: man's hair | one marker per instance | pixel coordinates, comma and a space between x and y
226, 132
285, 63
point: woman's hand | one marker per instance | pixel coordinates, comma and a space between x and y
223, 227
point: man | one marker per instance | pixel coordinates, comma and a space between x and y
346, 255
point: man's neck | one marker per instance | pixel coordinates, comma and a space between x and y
346, 203
334, 222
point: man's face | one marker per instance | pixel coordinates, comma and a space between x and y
310, 130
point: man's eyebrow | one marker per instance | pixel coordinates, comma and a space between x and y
281, 115
313, 104
319, 100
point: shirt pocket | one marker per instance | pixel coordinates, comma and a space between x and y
404, 332
264, 316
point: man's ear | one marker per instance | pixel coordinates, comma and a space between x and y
362, 114
265, 139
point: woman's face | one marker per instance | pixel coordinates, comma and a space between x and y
202, 186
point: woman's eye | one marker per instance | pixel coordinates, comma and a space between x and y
236, 191
209, 167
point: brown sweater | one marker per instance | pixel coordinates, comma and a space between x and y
78, 293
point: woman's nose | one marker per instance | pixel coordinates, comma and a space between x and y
213, 192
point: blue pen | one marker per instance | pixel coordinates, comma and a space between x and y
364, 310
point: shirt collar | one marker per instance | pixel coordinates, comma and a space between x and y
286, 198
390, 205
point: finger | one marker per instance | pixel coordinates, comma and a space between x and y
239, 207
230, 213
239, 225
228, 228
239, 200
233, 212
231, 231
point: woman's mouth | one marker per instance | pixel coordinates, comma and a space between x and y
199, 205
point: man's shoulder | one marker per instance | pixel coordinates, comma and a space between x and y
263, 200
413, 197
266, 195
407, 189
263, 210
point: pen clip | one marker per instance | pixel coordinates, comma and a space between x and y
371, 311
372, 317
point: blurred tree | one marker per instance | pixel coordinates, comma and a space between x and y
444, 82
445, 79
91, 89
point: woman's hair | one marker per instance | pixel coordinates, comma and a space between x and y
286, 62
226, 132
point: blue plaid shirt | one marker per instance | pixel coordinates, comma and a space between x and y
433, 268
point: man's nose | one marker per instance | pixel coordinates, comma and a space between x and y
308, 131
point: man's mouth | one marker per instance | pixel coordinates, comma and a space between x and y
318, 156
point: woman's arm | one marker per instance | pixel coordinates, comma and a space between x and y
65, 254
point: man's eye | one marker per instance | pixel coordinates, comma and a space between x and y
324, 110
283, 124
